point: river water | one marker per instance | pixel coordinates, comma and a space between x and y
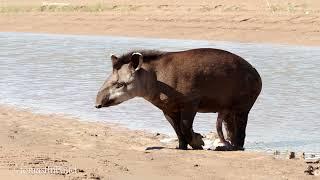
62, 73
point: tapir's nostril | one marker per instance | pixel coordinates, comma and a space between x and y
99, 106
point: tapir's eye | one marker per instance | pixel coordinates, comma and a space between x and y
120, 84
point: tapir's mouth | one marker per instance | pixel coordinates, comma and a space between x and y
112, 103
107, 104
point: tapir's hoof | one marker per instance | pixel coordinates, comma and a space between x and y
223, 146
196, 147
197, 142
182, 146
238, 148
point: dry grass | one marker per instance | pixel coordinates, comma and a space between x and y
289, 7
99, 7
274, 7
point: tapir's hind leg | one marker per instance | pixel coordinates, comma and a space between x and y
226, 145
236, 123
241, 124
231, 126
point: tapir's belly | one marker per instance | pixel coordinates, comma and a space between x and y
211, 104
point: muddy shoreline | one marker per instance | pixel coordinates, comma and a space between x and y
31, 143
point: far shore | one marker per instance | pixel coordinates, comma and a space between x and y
272, 21
35, 146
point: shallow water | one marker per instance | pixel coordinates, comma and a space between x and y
62, 73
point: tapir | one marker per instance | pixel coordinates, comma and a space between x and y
183, 83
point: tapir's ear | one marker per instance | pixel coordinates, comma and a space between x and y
136, 61
114, 59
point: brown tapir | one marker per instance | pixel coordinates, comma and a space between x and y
184, 83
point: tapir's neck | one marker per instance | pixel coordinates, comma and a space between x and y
161, 95
164, 102
150, 90
155, 89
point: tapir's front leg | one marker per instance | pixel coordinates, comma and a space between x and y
174, 120
192, 138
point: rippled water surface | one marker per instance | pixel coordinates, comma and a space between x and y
62, 73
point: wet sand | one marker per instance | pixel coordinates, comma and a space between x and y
34, 146
272, 21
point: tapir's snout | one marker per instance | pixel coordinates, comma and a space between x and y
101, 99
98, 106
106, 104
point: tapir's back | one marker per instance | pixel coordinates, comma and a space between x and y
210, 75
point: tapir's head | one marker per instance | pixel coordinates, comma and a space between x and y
124, 83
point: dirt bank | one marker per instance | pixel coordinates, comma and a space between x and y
273, 21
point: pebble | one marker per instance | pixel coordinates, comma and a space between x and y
291, 155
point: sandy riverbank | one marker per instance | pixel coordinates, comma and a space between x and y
273, 21
31, 143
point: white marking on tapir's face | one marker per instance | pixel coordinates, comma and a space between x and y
123, 89
119, 95
122, 85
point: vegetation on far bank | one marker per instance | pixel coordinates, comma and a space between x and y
58, 8
100, 7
